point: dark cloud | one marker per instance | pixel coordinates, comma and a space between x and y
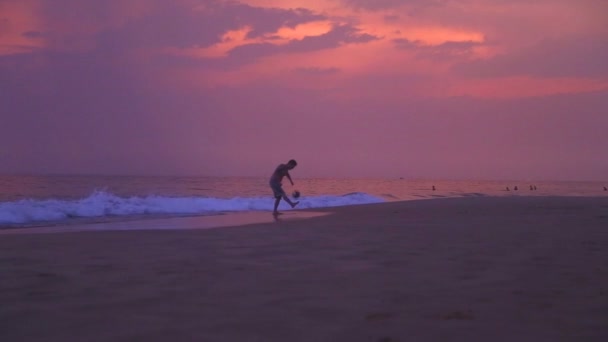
33, 34
177, 26
460, 46
406, 44
446, 50
375, 5
337, 36
578, 57
391, 18
182, 26
314, 71
446, 46
269, 20
245, 54
248, 53
163, 23
341, 34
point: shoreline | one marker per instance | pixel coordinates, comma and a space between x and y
240, 218
457, 269
191, 222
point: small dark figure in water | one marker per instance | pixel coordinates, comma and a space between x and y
531, 187
508, 189
605, 189
515, 188
433, 188
535, 187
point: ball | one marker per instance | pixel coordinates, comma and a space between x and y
295, 194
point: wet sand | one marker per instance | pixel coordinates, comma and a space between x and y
467, 269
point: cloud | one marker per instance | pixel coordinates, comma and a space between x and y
391, 18
315, 71
176, 26
203, 28
406, 44
249, 53
153, 24
375, 5
575, 57
447, 50
341, 34
269, 20
33, 34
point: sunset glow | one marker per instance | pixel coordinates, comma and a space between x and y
194, 73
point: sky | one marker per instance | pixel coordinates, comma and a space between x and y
426, 89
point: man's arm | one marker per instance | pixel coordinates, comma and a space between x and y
289, 177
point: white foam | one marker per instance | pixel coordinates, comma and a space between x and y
104, 204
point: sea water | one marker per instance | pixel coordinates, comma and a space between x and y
42, 200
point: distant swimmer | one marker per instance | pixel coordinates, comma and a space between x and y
535, 187
434, 188
605, 189
515, 188
507, 189
531, 187
277, 187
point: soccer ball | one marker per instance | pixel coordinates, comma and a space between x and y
295, 194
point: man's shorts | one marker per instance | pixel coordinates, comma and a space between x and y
277, 189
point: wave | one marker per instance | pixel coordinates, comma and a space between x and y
105, 204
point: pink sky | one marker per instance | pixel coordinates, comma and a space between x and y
491, 89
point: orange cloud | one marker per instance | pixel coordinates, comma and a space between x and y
405, 27
235, 38
422, 70
229, 40
310, 29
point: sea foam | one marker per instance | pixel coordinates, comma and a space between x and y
105, 204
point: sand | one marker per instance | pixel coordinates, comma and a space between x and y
467, 269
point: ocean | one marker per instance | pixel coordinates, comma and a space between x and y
55, 200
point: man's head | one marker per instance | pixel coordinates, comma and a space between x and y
292, 163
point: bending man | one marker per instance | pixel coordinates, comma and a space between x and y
276, 186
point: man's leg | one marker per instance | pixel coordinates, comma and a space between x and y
292, 204
276, 204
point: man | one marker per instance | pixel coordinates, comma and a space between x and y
276, 186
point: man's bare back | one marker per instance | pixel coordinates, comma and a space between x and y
280, 172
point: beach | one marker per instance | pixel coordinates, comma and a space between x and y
454, 269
